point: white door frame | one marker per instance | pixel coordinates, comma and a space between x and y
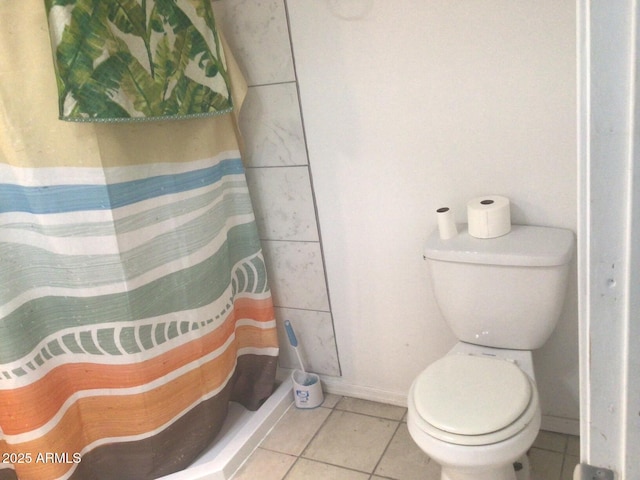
609, 235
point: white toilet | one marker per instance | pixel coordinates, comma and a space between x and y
476, 410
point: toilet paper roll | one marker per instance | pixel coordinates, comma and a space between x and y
489, 217
446, 223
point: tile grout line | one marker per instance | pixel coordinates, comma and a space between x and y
386, 447
564, 464
334, 409
290, 468
316, 432
300, 455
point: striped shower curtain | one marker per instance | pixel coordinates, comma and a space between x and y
133, 296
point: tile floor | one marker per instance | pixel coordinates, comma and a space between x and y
351, 439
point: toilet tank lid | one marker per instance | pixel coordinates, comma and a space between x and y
525, 245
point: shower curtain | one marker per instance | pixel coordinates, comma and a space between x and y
133, 296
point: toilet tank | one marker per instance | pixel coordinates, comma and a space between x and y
504, 292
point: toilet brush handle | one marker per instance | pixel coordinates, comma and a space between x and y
294, 342
291, 334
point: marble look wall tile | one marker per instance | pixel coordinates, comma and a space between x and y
283, 203
271, 124
316, 339
296, 274
258, 36
271, 127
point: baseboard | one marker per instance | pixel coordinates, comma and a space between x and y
338, 386
568, 426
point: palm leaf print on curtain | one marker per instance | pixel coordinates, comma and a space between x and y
125, 60
134, 303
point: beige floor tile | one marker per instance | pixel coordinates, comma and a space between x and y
265, 465
309, 470
404, 460
555, 442
351, 440
367, 407
331, 400
545, 464
568, 466
295, 430
348, 442
573, 446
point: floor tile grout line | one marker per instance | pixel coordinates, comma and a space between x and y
334, 409
290, 468
315, 434
343, 467
373, 416
395, 432
373, 473
299, 455
565, 464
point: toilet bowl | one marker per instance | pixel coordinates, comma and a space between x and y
476, 412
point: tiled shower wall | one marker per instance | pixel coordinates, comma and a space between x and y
279, 178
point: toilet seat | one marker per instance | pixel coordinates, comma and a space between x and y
473, 400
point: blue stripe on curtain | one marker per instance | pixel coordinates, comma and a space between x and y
73, 198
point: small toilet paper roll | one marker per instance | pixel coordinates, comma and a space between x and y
446, 223
489, 217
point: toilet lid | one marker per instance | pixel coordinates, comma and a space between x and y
471, 395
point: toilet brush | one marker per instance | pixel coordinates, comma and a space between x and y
307, 389
293, 340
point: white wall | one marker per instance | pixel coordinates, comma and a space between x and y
410, 105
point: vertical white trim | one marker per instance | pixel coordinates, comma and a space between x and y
584, 154
631, 454
608, 235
